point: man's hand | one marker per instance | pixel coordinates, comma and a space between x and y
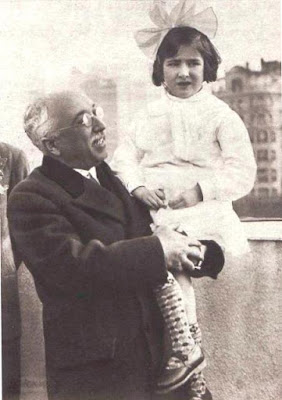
153, 198
188, 198
181, 252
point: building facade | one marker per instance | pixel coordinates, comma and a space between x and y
256, 97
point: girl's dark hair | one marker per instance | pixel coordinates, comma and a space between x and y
177, 37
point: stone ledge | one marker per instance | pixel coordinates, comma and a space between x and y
263, 229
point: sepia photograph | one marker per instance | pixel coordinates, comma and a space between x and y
140, 199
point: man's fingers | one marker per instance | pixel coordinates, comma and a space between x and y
195, 254
186, 263
153, 204
190, 240
194, 242
150, 203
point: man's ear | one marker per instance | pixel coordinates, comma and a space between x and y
51, 146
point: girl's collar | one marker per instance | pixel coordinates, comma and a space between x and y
199, 96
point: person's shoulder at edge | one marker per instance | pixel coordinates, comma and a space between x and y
36, 183
9, 151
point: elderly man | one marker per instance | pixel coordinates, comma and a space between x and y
13, 169
92, 256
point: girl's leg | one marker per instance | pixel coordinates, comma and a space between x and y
186, 358
198, 382
188, 295
170, 300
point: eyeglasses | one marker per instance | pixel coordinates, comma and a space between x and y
86, 119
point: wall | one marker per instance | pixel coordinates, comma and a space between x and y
239, 317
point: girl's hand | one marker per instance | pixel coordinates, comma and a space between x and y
188, 198
153, 198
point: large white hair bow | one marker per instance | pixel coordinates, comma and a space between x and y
183, 14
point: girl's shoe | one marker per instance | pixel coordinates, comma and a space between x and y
172, 378
195, 396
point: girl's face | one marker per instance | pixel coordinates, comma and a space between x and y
184, 73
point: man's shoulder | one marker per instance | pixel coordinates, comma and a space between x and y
36, 184
14, 157
32, 182
35, 197
9, 152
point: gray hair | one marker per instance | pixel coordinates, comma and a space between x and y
37, 122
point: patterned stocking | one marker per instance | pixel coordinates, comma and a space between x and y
170, 301
197, 382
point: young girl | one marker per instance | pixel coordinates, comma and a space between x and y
188, 155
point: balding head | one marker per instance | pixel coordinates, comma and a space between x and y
46, 115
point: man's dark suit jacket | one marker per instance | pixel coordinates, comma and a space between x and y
93, 263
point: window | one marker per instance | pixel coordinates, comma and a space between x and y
272, 136
262, 136
240, 104
236, 85
268, 118
258, 101
272, 155
263, 192
273, 175
261, 120
262, 155
262, 175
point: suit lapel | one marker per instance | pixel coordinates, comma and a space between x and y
97, 198
136, 214
86, 193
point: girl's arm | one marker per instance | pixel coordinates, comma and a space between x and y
126, 160
126, 164
237, 176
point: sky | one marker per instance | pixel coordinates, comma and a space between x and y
38, 36
41, 41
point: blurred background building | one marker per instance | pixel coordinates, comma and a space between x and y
256, 97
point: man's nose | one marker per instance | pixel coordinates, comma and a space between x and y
183, 70
98, 125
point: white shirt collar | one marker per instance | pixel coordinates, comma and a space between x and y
199, 96
86, 173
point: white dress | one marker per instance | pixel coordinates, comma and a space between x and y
176, 143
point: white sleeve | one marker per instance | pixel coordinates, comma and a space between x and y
237, 176
126, 159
